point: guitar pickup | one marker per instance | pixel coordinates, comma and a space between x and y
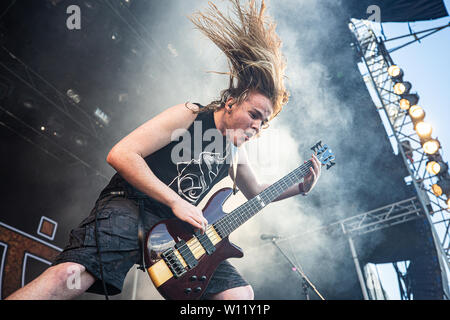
186, 253
205, 242
173, 263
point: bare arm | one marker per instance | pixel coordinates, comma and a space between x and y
246, 182
250, 186
127, 157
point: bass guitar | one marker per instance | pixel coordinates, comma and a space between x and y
180, 262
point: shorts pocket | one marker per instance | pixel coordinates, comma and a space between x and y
104, 231
125, 230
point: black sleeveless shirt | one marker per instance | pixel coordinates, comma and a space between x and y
190, 164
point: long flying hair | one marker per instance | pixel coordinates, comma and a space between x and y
253, 49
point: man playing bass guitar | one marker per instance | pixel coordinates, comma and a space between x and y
156, 179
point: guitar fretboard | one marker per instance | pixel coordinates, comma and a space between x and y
240, 215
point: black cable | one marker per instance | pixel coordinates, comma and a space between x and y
141, 233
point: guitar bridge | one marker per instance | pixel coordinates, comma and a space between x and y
173, 263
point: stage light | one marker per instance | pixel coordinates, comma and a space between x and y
73, 95
437, 190
395, 72
423, 129
441, 187
431, 146
436, 167
416, 113
404, 104
408, 100
102, 116
79, 139
28, 104
115, 36
433, 167
402, 87
448, 202
392, 111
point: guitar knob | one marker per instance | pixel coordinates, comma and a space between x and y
198, 289
187, 290
193, 278
202, 278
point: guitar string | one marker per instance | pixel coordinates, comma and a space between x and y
243, 210
241, 215
302, 170
251, 203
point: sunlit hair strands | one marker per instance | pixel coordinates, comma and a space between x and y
253, 49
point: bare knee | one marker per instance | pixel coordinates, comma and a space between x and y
238, 293
248, 293
72, 278
62, 281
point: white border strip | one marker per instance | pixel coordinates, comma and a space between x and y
31, 237
54, 229
24, 264
2, 264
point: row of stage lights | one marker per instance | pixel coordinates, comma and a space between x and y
408, 102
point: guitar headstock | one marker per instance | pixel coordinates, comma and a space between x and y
324, 154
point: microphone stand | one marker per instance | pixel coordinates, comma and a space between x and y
305, 283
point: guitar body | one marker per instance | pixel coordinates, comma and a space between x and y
192, 284
181, 262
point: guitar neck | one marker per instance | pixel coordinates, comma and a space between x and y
240, 215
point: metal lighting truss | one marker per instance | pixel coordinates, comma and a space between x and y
56, 101
376, 60
370, 221
384, 217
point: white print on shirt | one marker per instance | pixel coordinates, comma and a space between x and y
196, 176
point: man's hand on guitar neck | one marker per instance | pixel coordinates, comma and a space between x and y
311, 179
186, 212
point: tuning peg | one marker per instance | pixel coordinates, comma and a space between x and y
316, 146
329, 165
